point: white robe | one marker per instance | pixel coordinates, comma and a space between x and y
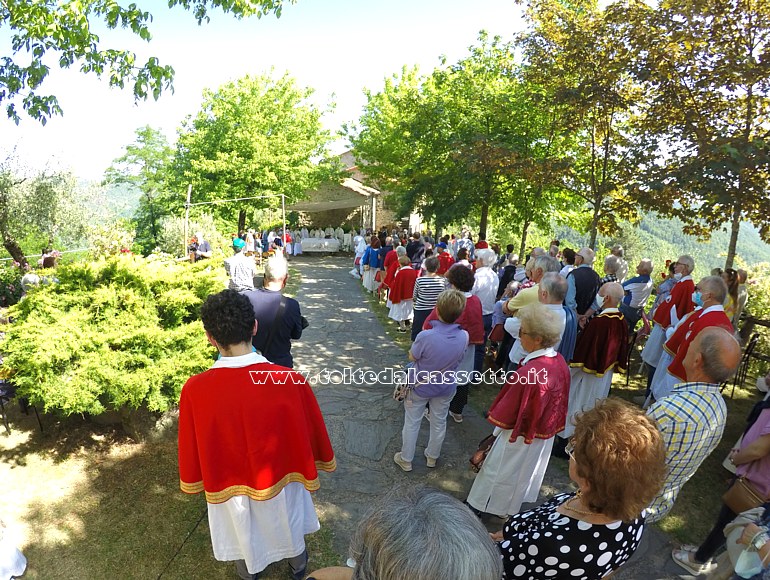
585, 390
511, 475
261, 532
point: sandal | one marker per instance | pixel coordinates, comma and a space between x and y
682, 558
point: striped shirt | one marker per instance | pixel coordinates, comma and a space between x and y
426, 291
691, 420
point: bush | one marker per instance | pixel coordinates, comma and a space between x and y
172, 233
10, 284
115, 334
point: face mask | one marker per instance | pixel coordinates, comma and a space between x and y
697, 297
598, 302
677, 276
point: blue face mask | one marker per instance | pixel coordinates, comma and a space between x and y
697, 298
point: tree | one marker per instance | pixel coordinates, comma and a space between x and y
255, 136
576, 51
48, 206
461, 142
44, 30
144, 166
704, 134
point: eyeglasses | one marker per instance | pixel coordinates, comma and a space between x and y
569, 449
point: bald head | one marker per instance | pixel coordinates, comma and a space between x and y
713, 356
613, 292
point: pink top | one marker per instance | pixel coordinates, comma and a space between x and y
758, 471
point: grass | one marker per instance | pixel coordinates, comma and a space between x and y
87, 502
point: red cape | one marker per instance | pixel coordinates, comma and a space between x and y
391, 265
680, 341
402, 287
445, 261
470, 320
603, 345
534, 400
237, 437
681, 297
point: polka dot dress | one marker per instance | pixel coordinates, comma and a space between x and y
542, 543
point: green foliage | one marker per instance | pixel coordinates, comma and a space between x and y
254, 136
10, 283
46, 31
171, 235
468, 140
702, 140
110, 240
144, 166
122, 332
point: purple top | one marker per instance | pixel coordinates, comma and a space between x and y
441, 348
757, 471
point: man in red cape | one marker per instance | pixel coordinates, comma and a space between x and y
601, 349
709, 295
251, 436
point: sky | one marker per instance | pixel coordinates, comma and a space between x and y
336, 47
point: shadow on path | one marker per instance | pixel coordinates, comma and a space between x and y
365, 423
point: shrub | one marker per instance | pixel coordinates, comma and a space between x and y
119, 333
10, 284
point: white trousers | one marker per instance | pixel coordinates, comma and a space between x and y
414, 407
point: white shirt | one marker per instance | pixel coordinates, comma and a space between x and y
241, 269
485, 288
513, 325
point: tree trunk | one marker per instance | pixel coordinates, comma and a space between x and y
734, 231
153, 224
241, 220
523, 248
594, 229
484, 221
14, 250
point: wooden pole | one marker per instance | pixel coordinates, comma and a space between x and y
186, 219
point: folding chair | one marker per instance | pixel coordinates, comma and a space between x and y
743, 367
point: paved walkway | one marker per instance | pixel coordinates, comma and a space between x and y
365, 423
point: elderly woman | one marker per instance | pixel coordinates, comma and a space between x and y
436, 354
472, 322
752, 462
617, 461
371, 264
419, 533
426, 292
485, 288
528, 412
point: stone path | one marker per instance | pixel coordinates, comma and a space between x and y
365, 423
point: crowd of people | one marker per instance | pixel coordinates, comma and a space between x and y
559, 329
554, 330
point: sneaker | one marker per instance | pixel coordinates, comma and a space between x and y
405, 465
430, 461
426, 414
458, 417
402, 330
682, 558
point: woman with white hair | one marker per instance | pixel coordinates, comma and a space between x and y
528, 412
422, 533
485, 288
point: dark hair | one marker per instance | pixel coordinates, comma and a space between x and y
462, 254
509, 248
461, 278
228, 317
569, 256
